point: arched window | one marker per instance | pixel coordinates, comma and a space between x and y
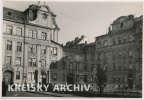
121, 24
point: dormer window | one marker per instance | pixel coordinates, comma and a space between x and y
121, 24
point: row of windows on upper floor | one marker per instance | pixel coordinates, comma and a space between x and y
116, 41
31, 75
32, 33
32, 48
122, 66
76, 66
31, 61
119, 79
119, 54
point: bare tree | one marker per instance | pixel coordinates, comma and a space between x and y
101, 79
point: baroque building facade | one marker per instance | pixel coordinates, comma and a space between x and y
119, 53
29, 44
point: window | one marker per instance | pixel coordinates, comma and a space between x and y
85, 78
99, 44
43, 49
63, 64
114, 54
51, 50
119, 79
18, 61
114, 41
119, 40
19, 46
77, 66
119, 64
30, 75
9, 29
32, 48
70, 66
124, 65
114, 66
9, 45
80, 67
114, 79
92, 67
130, 53
19, 31
43, 63
32, 34
64, 77
8, 60
99, 56
105, 43
124, 52
85, 67
55, 51
35, 34
43, 36
54, 76
121, 24
91, 77
119, 53
85, 57
140, 79
130, 65
92, 56
32, 62
124, 79
104, 54
105, 67
18, 75
140, 54
140, 67
130, 38
124, 39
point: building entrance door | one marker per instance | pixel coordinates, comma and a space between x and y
130, 81
7, 76
43, 79
70, 79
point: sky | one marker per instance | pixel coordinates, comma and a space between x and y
90, 19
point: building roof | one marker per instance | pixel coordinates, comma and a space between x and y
75, 42
21, 16
14, 15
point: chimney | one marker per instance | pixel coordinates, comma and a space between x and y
76, 38
82, 36
85, 42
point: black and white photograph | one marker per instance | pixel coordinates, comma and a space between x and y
71, 49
